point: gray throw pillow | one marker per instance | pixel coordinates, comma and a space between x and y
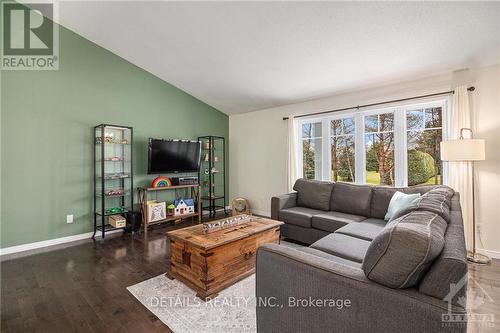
400, 254
437, 200
313, 193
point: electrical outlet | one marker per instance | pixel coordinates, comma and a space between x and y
69, 218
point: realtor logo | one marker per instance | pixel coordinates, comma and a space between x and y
30, 39
476, 296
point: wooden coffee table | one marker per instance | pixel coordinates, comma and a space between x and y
209, 263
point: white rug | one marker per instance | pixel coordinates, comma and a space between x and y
176, 305
233, 310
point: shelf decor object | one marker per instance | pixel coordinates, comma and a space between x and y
144, 201
212, 174
228, 222
240, 206
467, 150
157, 211
161, 181
113, 177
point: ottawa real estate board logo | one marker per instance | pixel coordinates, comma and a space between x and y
30, 38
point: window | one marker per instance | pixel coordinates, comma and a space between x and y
342, 149
424, 133
396, 146
311, 150
379, 149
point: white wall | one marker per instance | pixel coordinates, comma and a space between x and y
258, 141
486, 108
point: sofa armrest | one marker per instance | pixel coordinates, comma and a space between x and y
301, 292
283, 201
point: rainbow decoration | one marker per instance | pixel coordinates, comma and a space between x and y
161, 181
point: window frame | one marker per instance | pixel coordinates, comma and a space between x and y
363, 151
400, 138
329, 152
300, 146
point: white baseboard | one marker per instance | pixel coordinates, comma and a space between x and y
261, 212
489, 253
51, 242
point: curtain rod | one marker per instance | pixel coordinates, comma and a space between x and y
379, 103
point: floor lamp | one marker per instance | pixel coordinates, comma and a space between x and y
467, 150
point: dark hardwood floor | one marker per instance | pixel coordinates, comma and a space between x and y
82, 288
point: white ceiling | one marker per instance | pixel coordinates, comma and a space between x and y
245, 56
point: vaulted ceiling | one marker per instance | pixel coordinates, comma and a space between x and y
245, 56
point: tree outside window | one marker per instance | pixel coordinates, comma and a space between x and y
311, 150
424, 134
342, 149
418, 129
379, 148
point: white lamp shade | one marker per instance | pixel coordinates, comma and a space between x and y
463, 150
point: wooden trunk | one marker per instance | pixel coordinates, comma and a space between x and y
210, 263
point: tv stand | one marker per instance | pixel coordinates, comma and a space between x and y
143, 199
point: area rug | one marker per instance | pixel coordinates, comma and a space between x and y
176, 305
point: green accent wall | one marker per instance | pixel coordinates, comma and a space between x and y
47, 120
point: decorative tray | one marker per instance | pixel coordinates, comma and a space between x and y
229, 222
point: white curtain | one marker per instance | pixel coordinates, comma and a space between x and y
460, 173
291, 165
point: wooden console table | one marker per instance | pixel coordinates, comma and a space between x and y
144, 196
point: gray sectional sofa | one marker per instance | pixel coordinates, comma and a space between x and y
407, 274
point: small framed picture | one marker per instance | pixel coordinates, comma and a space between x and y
157, 211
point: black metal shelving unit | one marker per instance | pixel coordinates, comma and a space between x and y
212, 176
113, 175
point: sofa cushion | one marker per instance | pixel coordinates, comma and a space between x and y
313, 193
351, 199
437, 200
367, 229
381, 196
331, 221
331, 257
300, 216
347, 247
450, 268
400, 254
399, 201
305, 235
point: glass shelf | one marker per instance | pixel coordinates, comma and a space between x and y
116, 175
213, 183
113, 193
108, 227
98, 142
113, 159
108, 212
212, 198
113, 174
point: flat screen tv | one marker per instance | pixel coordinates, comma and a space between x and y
173, 156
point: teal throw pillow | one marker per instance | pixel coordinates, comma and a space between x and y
399, 201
